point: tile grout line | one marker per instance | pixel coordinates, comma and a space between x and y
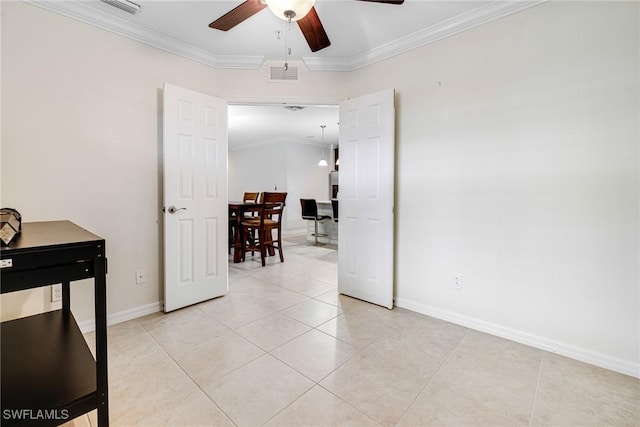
265, 352
229, 329
347, 403
583, 396
290, 403
317, 383
535, 394
446, 359
189, 376
281, 312
342, 364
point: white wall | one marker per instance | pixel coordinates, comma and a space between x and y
305, 179
517, 166
261, 168
519, 171
290, 166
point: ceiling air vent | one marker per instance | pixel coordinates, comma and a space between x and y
277, 73
126, 5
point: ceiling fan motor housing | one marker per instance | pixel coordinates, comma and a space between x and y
290, 10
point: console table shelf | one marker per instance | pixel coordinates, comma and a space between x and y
49, 375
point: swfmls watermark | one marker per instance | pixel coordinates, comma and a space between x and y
35, 414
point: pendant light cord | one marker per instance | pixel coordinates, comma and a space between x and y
287, 49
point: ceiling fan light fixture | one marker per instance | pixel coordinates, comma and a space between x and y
293, 10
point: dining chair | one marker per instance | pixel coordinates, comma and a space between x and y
248, 196
257, 232
251, 198
310, 212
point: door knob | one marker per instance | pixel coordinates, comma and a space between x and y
173, 209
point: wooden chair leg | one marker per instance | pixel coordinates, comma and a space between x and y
263, 249
242, 242
280, 247
250, 239
269, 242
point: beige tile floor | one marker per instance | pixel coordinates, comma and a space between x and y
284, 349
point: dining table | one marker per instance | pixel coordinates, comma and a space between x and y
237, 212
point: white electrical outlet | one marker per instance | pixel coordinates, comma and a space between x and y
56, 293
457, 282
141, 276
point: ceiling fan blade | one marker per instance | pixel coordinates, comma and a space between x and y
237, 15
386, 1
313, 31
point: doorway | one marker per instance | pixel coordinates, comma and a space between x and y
368, 131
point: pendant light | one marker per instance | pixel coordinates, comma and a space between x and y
322, 161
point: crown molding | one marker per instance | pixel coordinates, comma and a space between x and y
463, 22
327, 64
82, 12
276, 141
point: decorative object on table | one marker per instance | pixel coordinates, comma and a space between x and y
10, 225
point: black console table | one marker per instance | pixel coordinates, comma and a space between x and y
49, 375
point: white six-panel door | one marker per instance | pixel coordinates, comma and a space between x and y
195, 197
366, 198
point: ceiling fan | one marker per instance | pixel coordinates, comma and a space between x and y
301, 11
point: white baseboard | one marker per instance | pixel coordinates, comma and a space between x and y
615, 364
123, 316
619, 365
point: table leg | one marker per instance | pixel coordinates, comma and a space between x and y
66, 297
237, 241
100, 287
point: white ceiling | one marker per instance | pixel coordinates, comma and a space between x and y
360, 33
251, 125
353, 27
